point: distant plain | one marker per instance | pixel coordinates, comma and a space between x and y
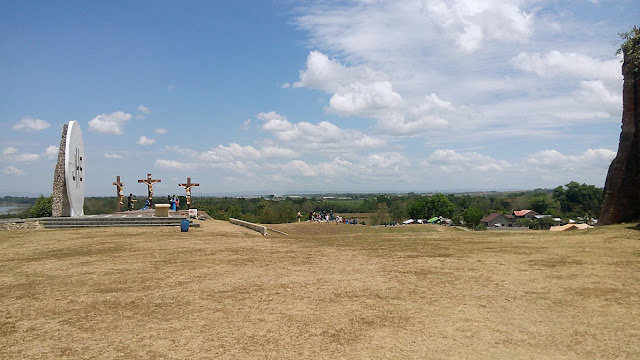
323, 291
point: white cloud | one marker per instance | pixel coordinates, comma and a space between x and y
373, 29
145, 141
185, 152
175, 165
329, 75
418, 119
445, 169
364, 99
547, 168
234, 152
390, 165
275, 122
394, 53
109, 123
324, 136
556, 63
323, 170
553, 167
360, 91
13, 171
51, 152
160, 131
472, 22
356, 90
31, 124
25, 157
448, 160
233, 158
246, 124
382, 169
596, 95
554, 160
11, 154
142, 111
9, 150
246, 169
112, 156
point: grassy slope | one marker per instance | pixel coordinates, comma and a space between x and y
324, 291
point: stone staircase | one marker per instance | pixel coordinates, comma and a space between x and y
112, 221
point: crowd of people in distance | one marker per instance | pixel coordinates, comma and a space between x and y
328, 217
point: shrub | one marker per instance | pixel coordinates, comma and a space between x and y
42, 207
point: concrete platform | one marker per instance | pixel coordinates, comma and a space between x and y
122, 219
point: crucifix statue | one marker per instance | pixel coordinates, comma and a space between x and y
149, 181
187, 186
119, 193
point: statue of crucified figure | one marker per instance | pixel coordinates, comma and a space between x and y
119, 193
187, 186
149, 181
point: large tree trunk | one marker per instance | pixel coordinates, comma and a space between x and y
621, 201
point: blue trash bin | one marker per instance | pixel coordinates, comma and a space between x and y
184, 226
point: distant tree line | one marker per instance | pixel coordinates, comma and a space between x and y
569, 201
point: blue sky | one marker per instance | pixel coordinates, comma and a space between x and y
313, 96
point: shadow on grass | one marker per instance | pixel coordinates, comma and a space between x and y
637, 227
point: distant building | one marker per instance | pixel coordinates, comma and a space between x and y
525, 214
498, 220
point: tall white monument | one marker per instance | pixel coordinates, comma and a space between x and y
69, 176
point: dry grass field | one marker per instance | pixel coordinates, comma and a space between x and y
323, 291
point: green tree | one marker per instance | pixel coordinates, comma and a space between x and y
417, 209
579, 199
540, 204
235, 212
439, 205
631, 47
382, 215
398, 209
472, 217
42, 207
383, 199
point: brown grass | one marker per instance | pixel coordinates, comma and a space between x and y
324, 291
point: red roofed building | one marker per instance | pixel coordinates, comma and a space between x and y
498, 220
525, 214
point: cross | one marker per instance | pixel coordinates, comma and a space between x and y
119, 192
77, 171
149, 181
187, 186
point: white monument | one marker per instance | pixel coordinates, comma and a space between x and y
69, 176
